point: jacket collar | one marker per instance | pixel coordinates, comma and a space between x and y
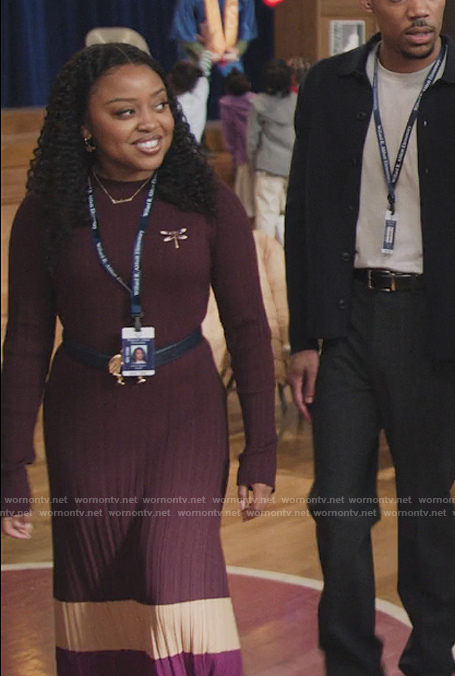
355, 61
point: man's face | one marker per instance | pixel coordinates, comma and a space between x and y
410, 31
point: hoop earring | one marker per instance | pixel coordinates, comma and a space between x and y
89, 145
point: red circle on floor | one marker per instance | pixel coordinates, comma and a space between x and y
277, 622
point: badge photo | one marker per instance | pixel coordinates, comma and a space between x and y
138, 351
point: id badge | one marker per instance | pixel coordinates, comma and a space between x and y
138, 351
390, 228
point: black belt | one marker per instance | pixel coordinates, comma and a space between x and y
98, 360
387, 280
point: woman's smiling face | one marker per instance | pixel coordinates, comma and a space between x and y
139, 354
130, 122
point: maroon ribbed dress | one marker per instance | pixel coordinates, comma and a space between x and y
137, 471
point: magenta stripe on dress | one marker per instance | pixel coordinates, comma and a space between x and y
129, 662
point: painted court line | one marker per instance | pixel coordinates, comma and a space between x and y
384, 606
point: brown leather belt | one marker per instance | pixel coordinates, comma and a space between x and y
387, 280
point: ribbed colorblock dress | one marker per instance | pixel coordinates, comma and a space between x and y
137, 471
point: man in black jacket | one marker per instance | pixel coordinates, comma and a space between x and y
370, 248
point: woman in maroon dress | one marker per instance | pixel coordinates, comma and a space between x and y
122, 233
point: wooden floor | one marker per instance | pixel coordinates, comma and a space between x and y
276, 618
281, 541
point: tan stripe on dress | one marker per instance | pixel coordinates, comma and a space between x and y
197, 627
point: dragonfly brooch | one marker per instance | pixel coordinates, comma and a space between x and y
174, 236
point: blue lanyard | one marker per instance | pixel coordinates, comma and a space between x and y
136, 274
391, 178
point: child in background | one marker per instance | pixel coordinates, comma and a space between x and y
190, 84
234, 110
270, 139
299, 66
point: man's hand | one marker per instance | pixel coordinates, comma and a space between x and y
303, 369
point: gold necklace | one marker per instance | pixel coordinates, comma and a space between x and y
126, 199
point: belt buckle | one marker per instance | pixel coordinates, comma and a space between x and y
369, 279
393, 281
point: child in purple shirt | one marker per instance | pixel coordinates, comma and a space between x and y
234, 109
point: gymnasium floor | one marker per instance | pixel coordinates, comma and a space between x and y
273, 570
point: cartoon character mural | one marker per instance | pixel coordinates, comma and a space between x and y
224, 27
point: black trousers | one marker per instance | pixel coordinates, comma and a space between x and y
381, 377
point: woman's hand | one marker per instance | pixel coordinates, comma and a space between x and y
261, 498
19, 527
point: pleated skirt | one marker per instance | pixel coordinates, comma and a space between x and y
137, 476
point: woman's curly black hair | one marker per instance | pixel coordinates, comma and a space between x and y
61, 165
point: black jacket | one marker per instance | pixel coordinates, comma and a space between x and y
332, 118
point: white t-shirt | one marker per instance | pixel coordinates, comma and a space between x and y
397, 95
194, 105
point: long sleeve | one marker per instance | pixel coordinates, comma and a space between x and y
187, 17
26, 352
295, 229
235, 280
247, 21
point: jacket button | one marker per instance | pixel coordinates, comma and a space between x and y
342, 303
362, 115
354, 162
349, 209
345, 256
